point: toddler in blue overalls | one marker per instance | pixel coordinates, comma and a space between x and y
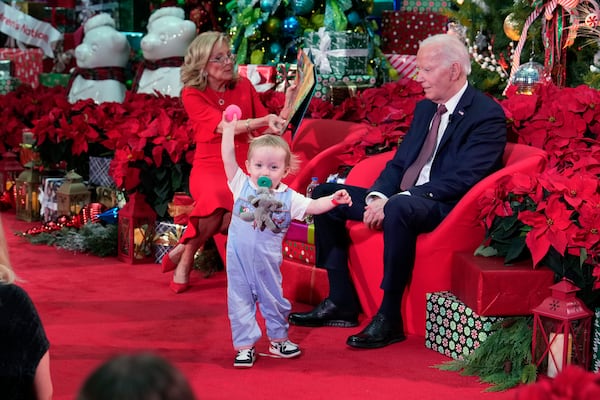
254, 255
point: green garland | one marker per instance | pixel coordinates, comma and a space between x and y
503, 359
92, 238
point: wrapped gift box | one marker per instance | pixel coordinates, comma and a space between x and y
167, 235
5, 69
405, 64
53, 79
452, 328
343, 53
336, 87
401, 31
304, 283
64, 19
8, 85
99, 172
263, 77
109, 197
301, 232
26, 64
48, 198
491, 288
596, 342
299, 251
425, 5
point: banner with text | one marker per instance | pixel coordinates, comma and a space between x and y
27, 29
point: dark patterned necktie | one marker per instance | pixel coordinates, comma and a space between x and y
412, 172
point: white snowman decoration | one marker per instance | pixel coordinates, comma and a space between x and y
101, 60
164, 46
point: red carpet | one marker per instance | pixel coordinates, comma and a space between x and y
93, 308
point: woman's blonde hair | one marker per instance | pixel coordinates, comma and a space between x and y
7, 275
291, 160
193, 71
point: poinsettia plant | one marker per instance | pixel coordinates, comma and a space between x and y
147, 136
554, 216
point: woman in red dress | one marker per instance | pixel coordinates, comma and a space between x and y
210, 84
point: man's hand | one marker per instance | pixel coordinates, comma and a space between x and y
373, 216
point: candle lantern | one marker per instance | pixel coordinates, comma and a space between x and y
72, 195
561, 331
10, 168
26, 194
136, 231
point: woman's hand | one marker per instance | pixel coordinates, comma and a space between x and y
290, 96
276, 124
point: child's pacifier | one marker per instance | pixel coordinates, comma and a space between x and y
264, 181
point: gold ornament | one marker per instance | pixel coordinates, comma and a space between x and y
511, 27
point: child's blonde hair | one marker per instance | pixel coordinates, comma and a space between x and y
291, 160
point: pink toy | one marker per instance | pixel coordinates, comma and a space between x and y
231, 111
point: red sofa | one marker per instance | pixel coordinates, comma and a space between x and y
460, 231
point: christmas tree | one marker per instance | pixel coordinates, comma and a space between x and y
271, 31
557, 37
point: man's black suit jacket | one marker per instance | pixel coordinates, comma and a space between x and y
471, 148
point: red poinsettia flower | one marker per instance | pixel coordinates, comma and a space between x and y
589, 220
549, 227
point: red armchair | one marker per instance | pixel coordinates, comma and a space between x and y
319, 144
460, 231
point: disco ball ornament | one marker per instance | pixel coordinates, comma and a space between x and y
528, 77
273, 25
267, 5
511, 27
291, 26
303, 7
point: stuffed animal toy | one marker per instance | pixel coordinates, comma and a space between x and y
101, 60
164, 46
264, 204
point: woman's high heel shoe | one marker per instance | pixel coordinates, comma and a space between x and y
167, 264
179, 287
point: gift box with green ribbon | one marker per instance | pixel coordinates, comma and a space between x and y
345, 53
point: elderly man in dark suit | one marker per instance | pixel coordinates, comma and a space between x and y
456, 138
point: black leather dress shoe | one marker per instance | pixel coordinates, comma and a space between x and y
325, 314
379, 333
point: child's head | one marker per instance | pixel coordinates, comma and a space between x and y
270, 155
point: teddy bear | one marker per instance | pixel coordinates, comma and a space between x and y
101, 59
163, 47
264, 205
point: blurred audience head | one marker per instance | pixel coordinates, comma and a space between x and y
142, 376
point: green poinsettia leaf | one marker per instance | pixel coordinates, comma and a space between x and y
517, 250
486, 251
